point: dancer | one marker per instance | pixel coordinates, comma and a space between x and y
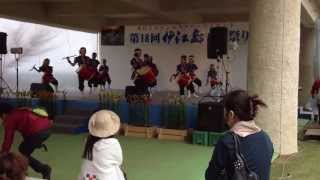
212, 76
82, 61
93, 66
216, 85
184, 78
192, 67
34, 127
136, 62
138, 71
102, 156
153, 66
47, 70
104, 75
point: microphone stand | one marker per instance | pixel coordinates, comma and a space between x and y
227, 81
2, 80
17, 56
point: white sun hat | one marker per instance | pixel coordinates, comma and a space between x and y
104, 123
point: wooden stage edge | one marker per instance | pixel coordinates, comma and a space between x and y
155, 132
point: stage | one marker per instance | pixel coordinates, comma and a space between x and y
72, 109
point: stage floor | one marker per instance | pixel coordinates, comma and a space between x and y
157, 96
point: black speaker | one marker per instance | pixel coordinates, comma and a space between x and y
217, 42
36, 88
3, 43
211, 117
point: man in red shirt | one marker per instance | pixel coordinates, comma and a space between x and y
315, 94
34, 128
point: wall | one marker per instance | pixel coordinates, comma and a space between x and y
167, 56
39, 42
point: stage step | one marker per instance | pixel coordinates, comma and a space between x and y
64, 128
70, 119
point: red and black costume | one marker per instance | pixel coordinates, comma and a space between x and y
34, 129
83, 73
48, 76
212, 76
139, 82
93, 66
150, 76
104, 75
184, 78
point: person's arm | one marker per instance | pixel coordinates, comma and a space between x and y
218, 162
9, 130
72, 63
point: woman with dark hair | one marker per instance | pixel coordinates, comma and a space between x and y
48, 73
13, 167
255, 145
102, 156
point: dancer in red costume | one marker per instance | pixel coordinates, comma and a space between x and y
84, 71
184, 78
47, 73
104, 75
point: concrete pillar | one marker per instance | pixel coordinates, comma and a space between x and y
273, 68
306, 71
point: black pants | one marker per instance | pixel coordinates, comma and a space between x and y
29, 144
93, 82
198, 82
81, 83
190, 87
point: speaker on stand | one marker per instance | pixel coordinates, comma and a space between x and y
217, 42
217, 46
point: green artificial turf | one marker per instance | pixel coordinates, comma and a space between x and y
143, 158
146, 159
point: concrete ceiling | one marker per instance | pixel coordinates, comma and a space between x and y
92, 15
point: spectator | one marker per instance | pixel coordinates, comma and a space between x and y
102, 156
256, 146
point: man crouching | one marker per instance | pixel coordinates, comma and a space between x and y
34, 126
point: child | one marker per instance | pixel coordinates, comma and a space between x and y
102, 156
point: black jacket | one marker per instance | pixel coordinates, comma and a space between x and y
256, 148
